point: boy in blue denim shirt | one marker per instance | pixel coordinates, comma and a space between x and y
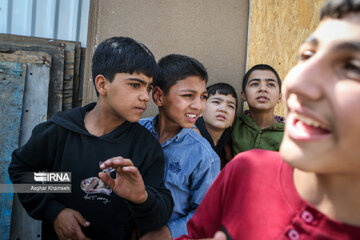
191, 164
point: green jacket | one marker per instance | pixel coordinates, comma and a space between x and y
247, 135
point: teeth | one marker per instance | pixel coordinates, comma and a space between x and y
191, 115
309, 121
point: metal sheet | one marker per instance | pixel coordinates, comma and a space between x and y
12, 83
58, 19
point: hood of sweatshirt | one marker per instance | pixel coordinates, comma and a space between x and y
73, 120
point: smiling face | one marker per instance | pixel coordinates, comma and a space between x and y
219, 111
262, 90
127, 96
184, 102
323, 100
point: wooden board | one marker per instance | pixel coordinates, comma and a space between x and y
276, 30
81, 78
71, 63
57, 69
12, 83
77, 93
34, 112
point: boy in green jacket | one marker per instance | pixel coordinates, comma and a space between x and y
258, 127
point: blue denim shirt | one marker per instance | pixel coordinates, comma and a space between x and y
191, 165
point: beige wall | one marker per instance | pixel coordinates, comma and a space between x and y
213, 31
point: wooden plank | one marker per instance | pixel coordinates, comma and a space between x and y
77, 93
69, 76
57, 69
27, 57
70, 65
12, 83
81, 78
34, 112
276, 30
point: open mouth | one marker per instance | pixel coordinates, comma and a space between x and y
191, 117
262, 99
304, 128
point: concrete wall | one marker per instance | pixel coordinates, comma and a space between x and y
213, 31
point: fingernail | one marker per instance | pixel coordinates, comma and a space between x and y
102, 165
87, 223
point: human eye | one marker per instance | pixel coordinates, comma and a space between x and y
204, 97
231, 106
254, 84
305, 54
134, 85
187, 95
149, 88
215, 101
353, 68
271, 85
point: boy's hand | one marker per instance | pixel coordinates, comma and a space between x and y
128, 183
162, 233
67, 226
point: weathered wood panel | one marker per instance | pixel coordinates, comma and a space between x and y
71, 63
276, 30
77, 92
57, 69
12, 83
34, 111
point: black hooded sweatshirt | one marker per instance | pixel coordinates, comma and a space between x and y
63, 144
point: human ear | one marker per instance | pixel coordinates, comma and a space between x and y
100, 83
280, 97
243, 96
158, 96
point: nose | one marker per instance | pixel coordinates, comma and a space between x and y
307, 79
222, 108
144, 96
262, 86
198, 104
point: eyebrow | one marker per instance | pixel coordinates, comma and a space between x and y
348, 46
191, 90
221, 99
311, 40
266, 79
140, 81
344, 46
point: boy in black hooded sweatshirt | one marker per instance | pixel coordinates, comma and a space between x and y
104, 134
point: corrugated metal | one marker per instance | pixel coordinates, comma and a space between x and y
58, 19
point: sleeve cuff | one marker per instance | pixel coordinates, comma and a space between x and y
146, 206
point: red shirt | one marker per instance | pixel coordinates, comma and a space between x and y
254, 197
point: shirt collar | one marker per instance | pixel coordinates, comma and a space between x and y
178, 137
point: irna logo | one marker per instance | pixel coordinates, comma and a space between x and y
52, 177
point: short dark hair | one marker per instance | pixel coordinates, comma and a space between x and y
223, 89
260, 67
339, 8
122, 55
175, 67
